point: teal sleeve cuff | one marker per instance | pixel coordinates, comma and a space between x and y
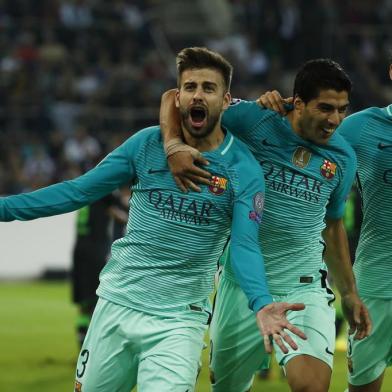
260, 302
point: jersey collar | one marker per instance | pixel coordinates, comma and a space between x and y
388, 110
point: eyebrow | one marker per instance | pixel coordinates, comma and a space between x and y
325, 105
204, 84
210, 84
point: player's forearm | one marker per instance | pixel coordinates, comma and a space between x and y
248, 266
169, 118
68, 196
53, 200
337, 257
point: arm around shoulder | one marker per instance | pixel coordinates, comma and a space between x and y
169, 118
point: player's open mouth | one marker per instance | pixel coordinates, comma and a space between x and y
198, 116
327, 132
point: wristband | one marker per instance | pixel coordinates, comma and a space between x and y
171, 143
177, 145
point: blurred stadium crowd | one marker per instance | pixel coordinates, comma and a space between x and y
79, 76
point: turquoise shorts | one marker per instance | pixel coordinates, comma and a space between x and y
237, 348
368, 358
125, 347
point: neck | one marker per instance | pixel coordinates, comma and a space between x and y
294, 122
207, 143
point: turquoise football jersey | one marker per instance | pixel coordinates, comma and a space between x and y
370, 134
173, 240
304, 184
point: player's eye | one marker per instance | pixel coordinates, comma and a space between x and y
326, 108
343, 109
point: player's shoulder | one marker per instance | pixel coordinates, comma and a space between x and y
251, 108
374, 112
240, 149
359, 126
242, 168
360, 119
145, 134
240, 156
143, 138
377, 114
236, 103
364, 115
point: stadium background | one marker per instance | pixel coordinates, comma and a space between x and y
77, 77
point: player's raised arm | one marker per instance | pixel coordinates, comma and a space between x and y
169, 118
182, 159
248, 265
114, 170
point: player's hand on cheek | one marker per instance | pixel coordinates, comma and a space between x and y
186, 174
272, 323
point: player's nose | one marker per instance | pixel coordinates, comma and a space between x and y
198, 94
335, 119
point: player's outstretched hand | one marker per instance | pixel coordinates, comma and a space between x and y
274, 101
357, 316
186, 174
272, 323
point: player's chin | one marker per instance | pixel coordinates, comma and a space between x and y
323, 139
198, 133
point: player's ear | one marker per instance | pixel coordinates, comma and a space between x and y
226, 101
177, 98
390, 71
298, 103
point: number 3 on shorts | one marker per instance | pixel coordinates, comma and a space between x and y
84, 355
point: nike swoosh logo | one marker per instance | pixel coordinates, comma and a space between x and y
265, 142
152, 171
327, 351
382, 146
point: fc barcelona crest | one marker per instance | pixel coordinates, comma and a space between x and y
217, 185
328, 169
301, 157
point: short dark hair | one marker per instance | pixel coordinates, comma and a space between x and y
320, 74
197, 58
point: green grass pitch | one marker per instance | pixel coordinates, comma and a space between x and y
38, 346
